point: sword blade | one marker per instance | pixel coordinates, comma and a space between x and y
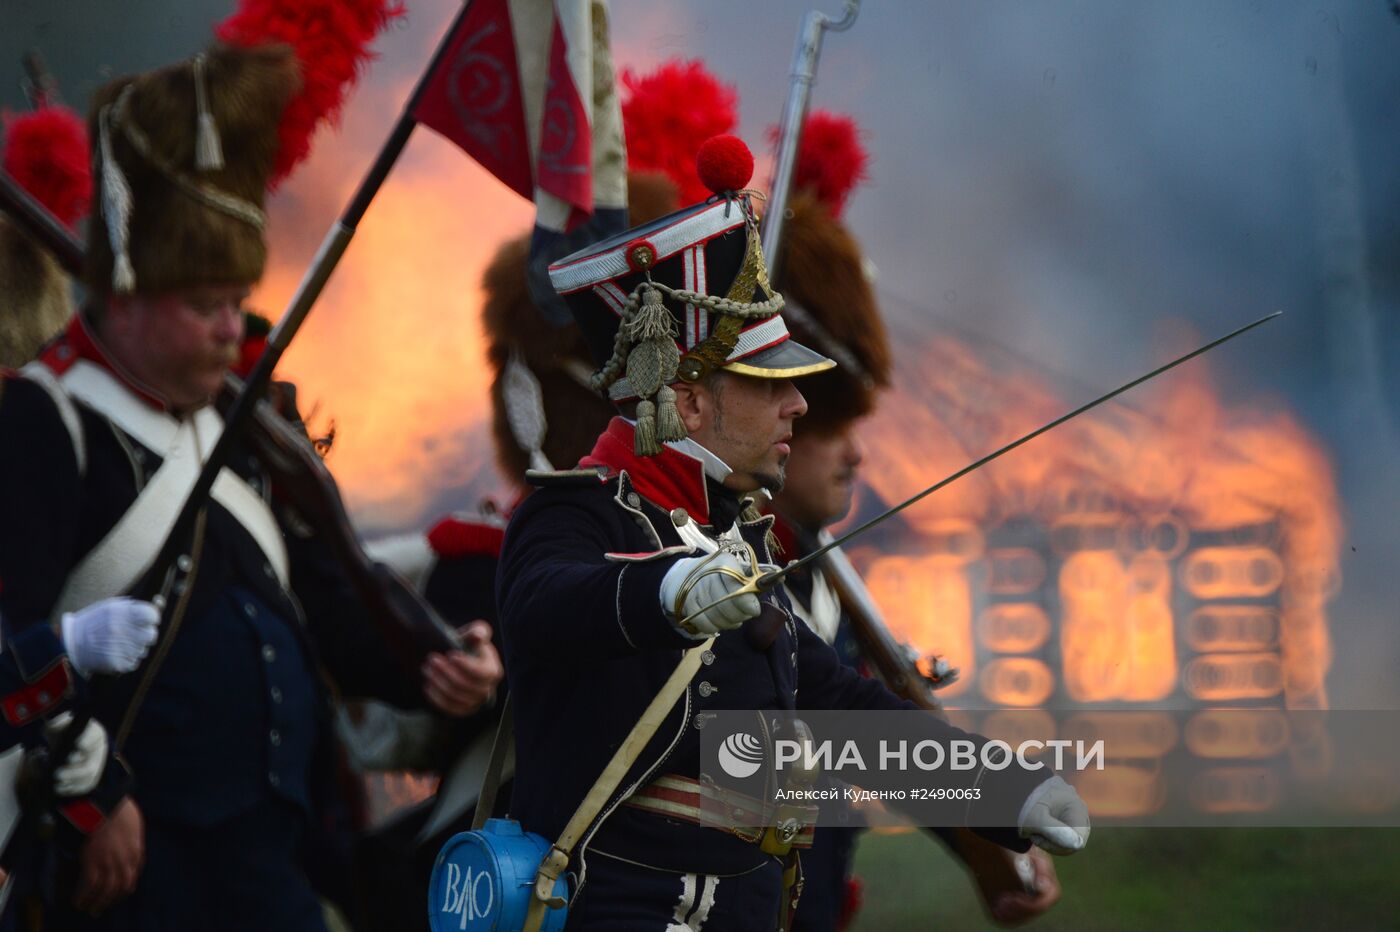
768, 580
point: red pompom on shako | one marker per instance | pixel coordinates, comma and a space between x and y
724, 163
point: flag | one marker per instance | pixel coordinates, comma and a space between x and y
526, 88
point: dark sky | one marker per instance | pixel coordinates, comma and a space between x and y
1068, 180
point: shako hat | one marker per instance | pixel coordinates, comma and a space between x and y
682, 297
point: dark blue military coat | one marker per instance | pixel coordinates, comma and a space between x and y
587, 646
35, 681
234, 713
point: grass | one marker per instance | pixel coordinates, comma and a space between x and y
1157, 878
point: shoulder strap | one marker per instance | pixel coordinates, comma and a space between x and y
491, 782
117, 561
42, 376
557, 860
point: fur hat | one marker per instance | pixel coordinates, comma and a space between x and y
823, 271
181, 159
34, 300
522, 346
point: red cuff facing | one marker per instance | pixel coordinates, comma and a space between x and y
39, 697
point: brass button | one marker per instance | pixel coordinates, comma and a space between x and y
679, 517
634, 499
707, 658
706, 690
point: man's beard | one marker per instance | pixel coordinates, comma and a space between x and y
773, 482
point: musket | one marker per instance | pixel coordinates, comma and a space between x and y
893, 662
805, 57
757, 580
34, 219
895, 666
40, 88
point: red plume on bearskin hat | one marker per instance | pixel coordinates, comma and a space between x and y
831, 160
46, 153
668, 114
824, 271
331, 39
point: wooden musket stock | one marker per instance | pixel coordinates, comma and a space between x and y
409, 625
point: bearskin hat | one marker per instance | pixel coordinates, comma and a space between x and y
823, 271
556, 357
182, 157
34, 299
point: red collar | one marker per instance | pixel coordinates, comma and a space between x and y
785, 533
79, 342
671, 479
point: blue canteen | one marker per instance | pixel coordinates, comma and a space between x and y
484, 880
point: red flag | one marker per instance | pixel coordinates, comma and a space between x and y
475, 98
525, 87
565, 152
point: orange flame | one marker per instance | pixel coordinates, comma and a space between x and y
393, 349
1136, 512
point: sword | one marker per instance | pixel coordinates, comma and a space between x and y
757, 582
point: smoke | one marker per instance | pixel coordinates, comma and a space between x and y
1057, 179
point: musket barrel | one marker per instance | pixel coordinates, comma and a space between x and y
804, 73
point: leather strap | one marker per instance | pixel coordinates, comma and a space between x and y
491, 781
555, 863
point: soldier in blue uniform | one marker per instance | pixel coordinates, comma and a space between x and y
824, 272
454, 564
225, 729
40, 671
602, 564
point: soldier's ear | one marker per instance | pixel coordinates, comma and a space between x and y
694, 403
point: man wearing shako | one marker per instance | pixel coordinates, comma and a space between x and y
611, 571
104, 435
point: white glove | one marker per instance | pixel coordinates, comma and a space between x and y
110, 636
83, 768
1055, 818
696, 583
